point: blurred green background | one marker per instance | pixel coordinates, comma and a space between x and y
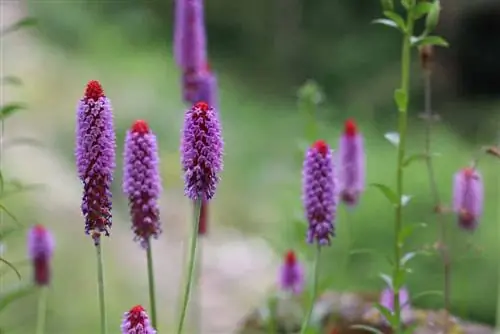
262, 51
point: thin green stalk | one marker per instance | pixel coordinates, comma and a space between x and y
272, 326
42, 310
100, 282
498, 226
151, 280
402, 129
305, 324
191, 265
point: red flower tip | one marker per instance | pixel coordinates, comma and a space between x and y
203, 106
39, 229
468, 172
321, 146
290, 257
94, 90
140, 127
350, 127
137, 309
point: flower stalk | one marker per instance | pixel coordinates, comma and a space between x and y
100, 283
314, 290
42, 310
151, 282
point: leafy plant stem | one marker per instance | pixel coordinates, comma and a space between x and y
442, 242
191, 264
314, 293
100, 283
151, 281
402, 129
42, 310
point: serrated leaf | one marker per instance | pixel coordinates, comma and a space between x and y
405, 199
9, 297
421, 9
393, 138
388, 315
10, 109
401, 99
387, 192
11, 266
398, 20
23, 23
429, 40
11, 80
408, 230
367, 328
386, 22
387, 279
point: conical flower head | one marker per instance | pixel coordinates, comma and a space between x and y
136, 321
201, 152
351, 164
190, 45
40, 250
95, 158
291, 274
318, 193
468, 197
141, 181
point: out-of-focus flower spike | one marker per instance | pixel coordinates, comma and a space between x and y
468, 198
40, 250
136, 321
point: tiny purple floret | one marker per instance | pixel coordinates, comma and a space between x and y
468, 198
136, 321
202, 150
291, 274
351, 164
40, 250
142, 182
318, 193
95, 158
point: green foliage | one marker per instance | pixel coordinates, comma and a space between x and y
23, 23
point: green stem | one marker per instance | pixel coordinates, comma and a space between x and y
305, 324
42, 310
272, 327
151, 280
191, 265
100, 282
402, 129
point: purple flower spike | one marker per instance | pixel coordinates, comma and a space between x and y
141, 181
351, 164
136, 321
190, 48
291, 274
202, 149
40, 251
468, 198
199, 86
95, 158
318, 189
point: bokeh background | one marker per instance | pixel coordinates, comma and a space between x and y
262, 52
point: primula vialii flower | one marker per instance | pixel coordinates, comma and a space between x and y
468, 197
190, 36
318, 193
136, 321
351, 164
95, 158
291, 274
201, 151
141, 181
40, 251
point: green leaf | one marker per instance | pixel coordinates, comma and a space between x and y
387, 192
401, 99
8, 231
393, 138
406, 3
427, 293
400, 278
410, 329
11, 266
9, 109
387, 5
10, 214
421, 9
398, 20
23, 23
386, 313
387, 279
386, 22
16, 264
429, 40
407, 257
367, 328
11, 80
9, 297
408, 230
414, 157
432, 19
